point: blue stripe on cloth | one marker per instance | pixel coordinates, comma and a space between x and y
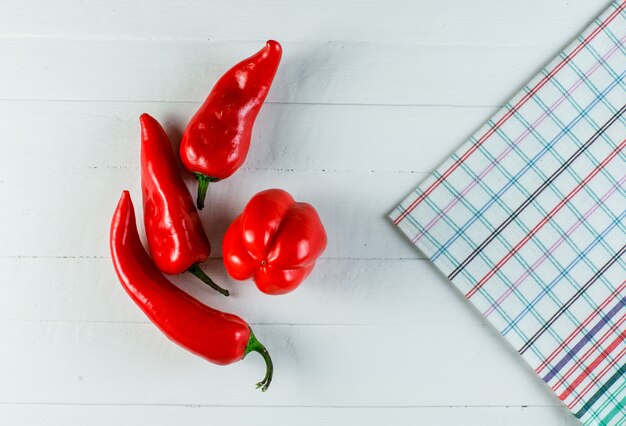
527, 167
567, 269
604, 320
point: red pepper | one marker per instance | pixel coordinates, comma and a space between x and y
216, 336
216, 141
275, 241
175, 236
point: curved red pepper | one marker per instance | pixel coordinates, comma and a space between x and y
216, 336
216, 141
175, 235
275, 241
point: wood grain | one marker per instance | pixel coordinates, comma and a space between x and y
333, 72
321, 365
358, 227
339, 292
302, 137
195, 415
477, 22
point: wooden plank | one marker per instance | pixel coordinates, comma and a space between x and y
340, 291
398, 365
286, 136
334, 72
68, 214
73, 415
490, 22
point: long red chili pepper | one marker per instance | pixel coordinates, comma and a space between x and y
276, 241
216, 141
216, 336
175, 236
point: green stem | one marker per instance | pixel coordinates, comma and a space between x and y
195, 269
255, 346
203, 185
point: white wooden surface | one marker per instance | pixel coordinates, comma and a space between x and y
371, 96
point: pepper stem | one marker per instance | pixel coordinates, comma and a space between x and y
203, 185
195, 269
255, 346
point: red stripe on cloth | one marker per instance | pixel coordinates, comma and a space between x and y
615, 327
545, 220
546, 254
602, 373
578, 329
509, 114
595, 381
529, 131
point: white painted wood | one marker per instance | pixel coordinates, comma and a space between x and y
286, 136
322, 365
73, 415
357, 226
370, 97
493, 22
333, 72
343, 292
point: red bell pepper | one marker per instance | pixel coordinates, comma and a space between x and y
216, 141
275, 241
218, 337
175, 236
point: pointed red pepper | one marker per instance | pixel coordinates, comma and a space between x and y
175, 235
218, 337
216, 141
275, 241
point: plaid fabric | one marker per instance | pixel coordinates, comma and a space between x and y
527, 219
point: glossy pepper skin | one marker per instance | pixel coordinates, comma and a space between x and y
218, 337
175, 235
216, 141
275, 241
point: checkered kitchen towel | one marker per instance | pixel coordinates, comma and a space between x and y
527, 219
